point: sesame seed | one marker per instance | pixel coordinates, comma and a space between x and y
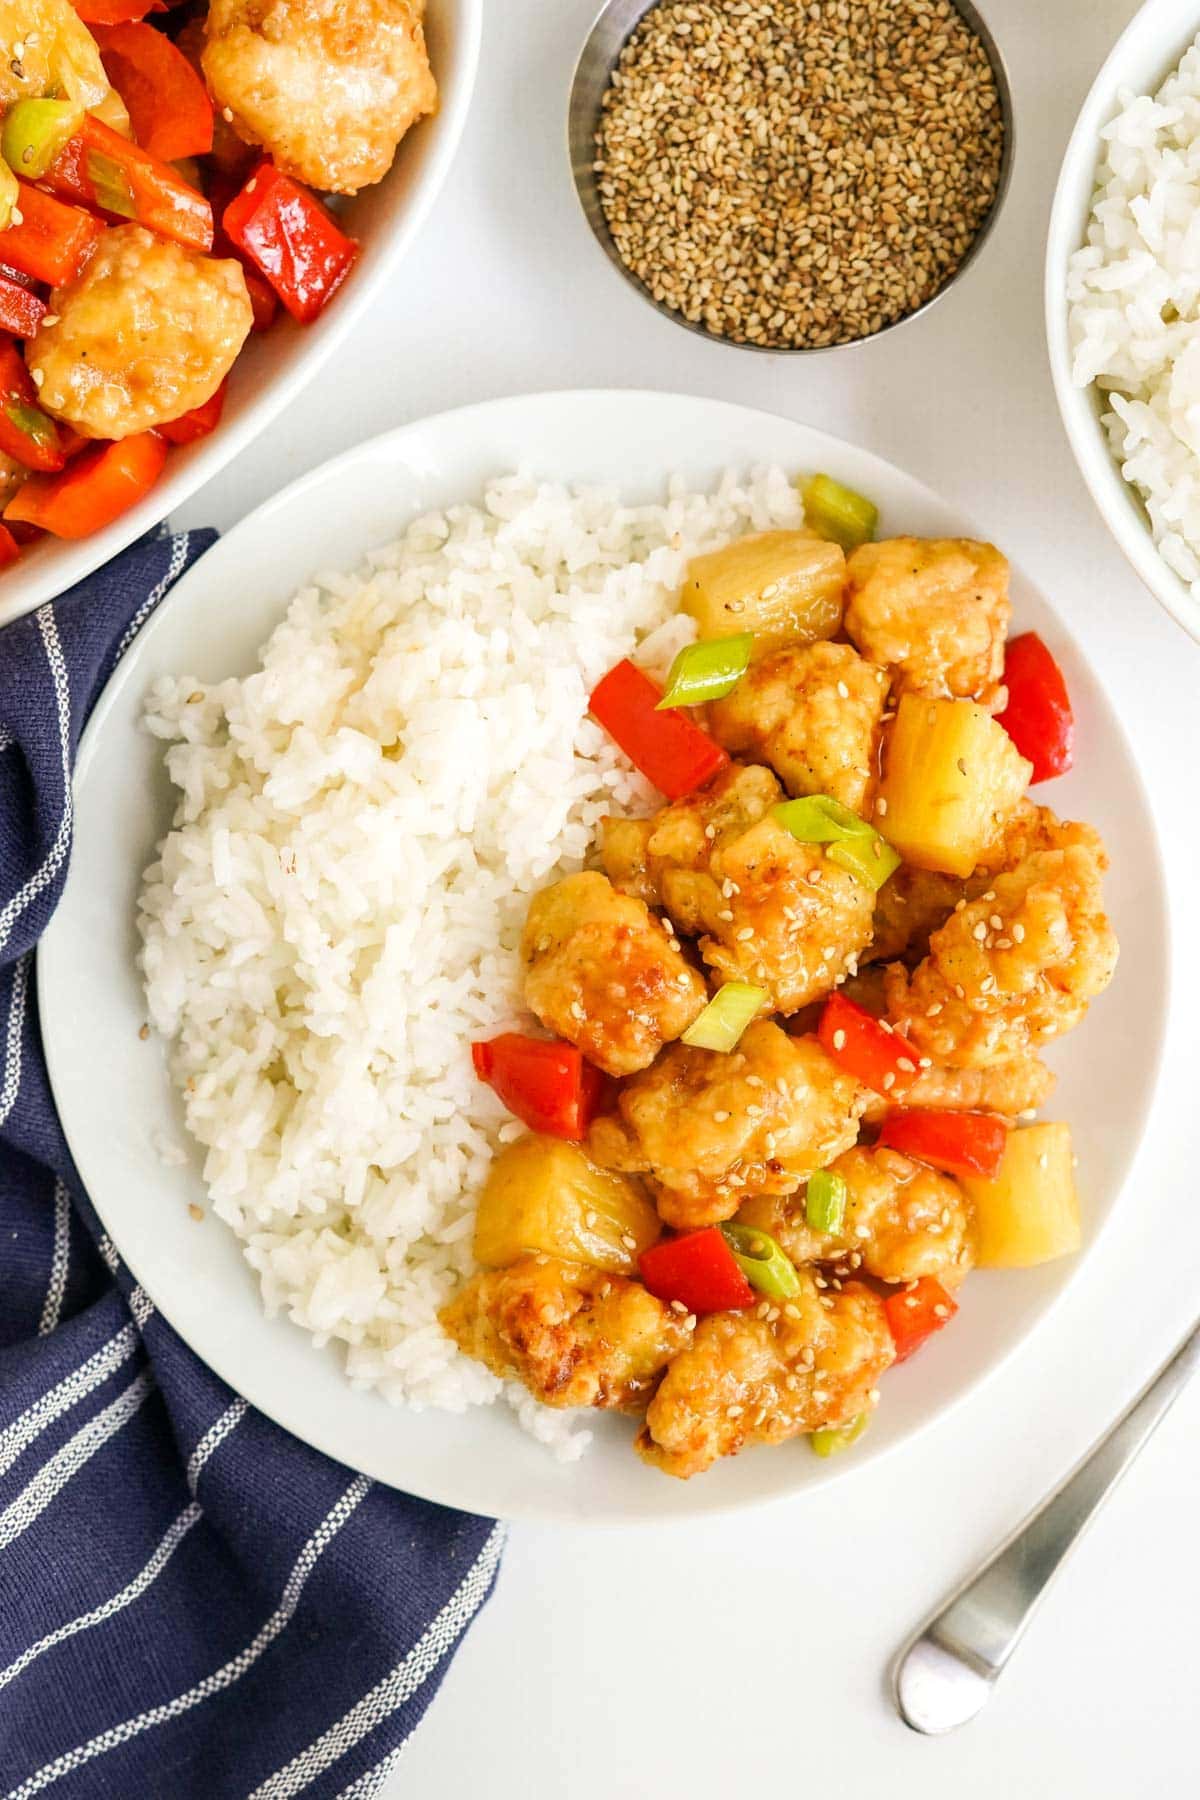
747, 931
589, 1219
980, 931
1018, 932
889, 1080
629, 1241
690, 1322
996, 922
906, 1063
881, 807
941, 1312
726, 917
839, 1040
720, 1117
843, 690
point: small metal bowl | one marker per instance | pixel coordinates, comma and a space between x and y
608, 36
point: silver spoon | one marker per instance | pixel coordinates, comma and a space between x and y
944, 1673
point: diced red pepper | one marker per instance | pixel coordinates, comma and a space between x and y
264, 302
1038, 717
548, 1085
103, 170
668, 747
198, 423
17, 276
961, 1143
26, 432
916, 1313
291, 238
168, 103
699, 1270
867, 1048
115, 12
9, 547
94, 489
52, 241
21, 310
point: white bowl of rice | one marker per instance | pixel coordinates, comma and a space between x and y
1123, 299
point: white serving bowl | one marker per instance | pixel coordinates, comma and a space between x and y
275, 366
1145, 53
118, 1106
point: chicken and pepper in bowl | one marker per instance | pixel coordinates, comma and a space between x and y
159, 201
789, 1100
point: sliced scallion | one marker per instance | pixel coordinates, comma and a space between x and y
707, 671
870, 860
825, 1201
762, 1261
827, 1440
837, 512
725, 1017
853, 844
34, 133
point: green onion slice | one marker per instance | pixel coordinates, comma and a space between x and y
827, 1440
110, 185
853, 844
870, 861
825, 1201
34, 133
839, 513
725, 1017
707, 671
762, 1261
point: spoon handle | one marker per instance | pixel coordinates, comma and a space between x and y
945, 1672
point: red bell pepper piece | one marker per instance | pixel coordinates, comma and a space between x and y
916, 1313
115, 12
94, 489
1038, 717
867, 1048
21, 310
9, 547
962, 1143
26, 432
198, 423
168, 103
264, 302
548, 1085
668, 747
289, 236
101, 169
52, 240
699, 1270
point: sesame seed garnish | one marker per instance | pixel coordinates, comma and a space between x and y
629, 1241
746, 931
889, 1080
839, 1040
1018, 932
720, 1117
843, 690
941, 1312
881, 807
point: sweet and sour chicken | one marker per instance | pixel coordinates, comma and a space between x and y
824, 1041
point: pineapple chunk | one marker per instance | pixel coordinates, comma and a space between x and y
784, 586
952, 776
543, 1194
1029, 1212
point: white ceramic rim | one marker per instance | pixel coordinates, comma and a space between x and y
1117, 502
1153, 921
31, 582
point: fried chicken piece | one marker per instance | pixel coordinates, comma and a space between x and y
1021, 1085
767, 909
915, 902
812, 712
933, 610
1012, 969
903, 1219
604, 973
751, 1380
710, 1128
327, 87
574, 1335
145, 332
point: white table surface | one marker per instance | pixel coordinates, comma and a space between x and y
682, 1660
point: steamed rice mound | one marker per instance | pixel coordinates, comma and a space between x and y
1134, 305
335, 914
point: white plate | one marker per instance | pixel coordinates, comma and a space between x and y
275, 366
1145, 53
112, 1089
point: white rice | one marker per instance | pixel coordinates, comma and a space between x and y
1134, 305
334, 915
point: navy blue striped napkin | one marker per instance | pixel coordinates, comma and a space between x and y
193, 1605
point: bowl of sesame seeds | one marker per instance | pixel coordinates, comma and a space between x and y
790, 175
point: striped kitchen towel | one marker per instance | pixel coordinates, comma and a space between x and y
193, 1604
